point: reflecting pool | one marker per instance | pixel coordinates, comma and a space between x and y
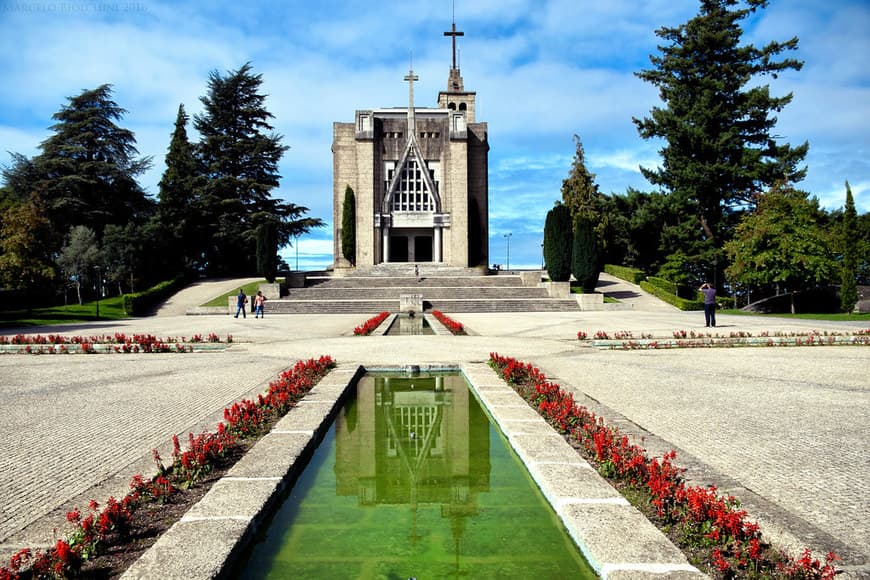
413, 480
404, 325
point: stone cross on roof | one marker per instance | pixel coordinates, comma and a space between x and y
412, 123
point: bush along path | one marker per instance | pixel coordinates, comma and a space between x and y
121, 530
711, 529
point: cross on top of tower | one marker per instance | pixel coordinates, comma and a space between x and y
454, 33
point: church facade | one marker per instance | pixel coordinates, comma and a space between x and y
419, 177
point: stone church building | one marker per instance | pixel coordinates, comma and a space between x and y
419, 178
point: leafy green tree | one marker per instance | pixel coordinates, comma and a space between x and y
79, 257
123, 251
585, 258
87, 169
178, 208
558, 239
781, 244
717, 125
25, 262
849, 264
348, 226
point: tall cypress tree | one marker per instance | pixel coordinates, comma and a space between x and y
558, 239
849, 265
717, 124
585, 255
348, 226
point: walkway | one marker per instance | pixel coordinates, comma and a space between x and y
784, 429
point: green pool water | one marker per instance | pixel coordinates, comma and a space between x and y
413, 480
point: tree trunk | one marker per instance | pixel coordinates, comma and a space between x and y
79, 292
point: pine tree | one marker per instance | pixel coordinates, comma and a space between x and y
88, 168
348, 226
558, 239
239, 152
178, 208
579, 192
849, 265
717, 124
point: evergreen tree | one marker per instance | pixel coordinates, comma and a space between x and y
849, 265
267, 250
87, 170
558, 239
579, 192
585, 264
348, 226
178, 208
716, 124
239, 153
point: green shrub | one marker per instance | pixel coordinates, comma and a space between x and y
141, 303
671, 298
666, 285
632, 275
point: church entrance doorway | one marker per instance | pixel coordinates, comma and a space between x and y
398, 248
422, 249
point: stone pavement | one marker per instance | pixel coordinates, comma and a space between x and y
784, 429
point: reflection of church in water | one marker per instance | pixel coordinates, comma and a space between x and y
414, 441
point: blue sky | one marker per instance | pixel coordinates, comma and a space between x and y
543, 71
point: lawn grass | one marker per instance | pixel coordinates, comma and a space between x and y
250, 289
833, 317
110, 309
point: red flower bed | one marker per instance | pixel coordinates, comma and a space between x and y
108, 526
115, 343
452, 325
370, 325
703, 518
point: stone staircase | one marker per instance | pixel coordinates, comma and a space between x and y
447, 289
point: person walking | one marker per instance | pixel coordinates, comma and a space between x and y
259, 303
709, 304
241, 300
417, 272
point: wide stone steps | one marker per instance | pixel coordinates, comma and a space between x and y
428, 292
374, 306
440, 281
446, 289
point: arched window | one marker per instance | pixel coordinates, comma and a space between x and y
451, 106
462, 106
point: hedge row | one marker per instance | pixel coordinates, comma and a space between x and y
632, 275
672, 299
666, 285
141, 303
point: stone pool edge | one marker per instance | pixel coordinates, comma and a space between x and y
616, 539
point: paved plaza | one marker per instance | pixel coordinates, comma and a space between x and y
784, 429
